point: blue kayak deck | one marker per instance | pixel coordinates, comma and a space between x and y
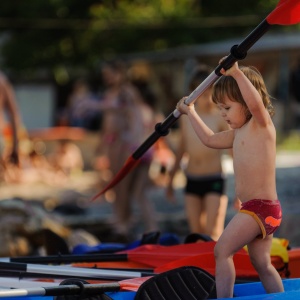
243, 291
255, 290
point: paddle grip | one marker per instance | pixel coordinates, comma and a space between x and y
161, 129
81, 288
13, 266
239, 52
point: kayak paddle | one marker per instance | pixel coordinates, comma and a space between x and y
244, 269
189, 282
75, 287
68, 271
150, 255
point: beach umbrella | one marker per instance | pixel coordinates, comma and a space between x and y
287, 12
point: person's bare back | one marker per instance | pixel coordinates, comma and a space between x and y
204, 191
202, 160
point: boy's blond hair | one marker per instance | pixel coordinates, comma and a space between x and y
227, 86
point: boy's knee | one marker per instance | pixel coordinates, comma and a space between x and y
220, 252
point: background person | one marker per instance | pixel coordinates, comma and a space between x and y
127, 121
204, 193
11, 120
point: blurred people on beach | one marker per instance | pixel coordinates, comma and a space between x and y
10, 125
20, 161
55, 166
80, 110
127, 121
67, 158
11, 116
163, 156
204, 193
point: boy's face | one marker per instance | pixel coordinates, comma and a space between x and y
233, 113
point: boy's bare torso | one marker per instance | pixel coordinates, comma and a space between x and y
254, 154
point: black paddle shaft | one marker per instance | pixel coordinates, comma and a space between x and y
71, 272
237, 52
161, 129
64, 290
73, 258
84, 289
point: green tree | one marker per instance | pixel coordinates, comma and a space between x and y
63, 37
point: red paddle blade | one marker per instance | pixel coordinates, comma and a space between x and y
157, 255
129, 164
287, 12
132, 284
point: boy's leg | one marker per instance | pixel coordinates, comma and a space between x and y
240, 231
259, 251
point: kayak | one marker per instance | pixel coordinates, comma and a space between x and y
164, 258
255, 290
159, 258
285, 259
184, 283
243, 291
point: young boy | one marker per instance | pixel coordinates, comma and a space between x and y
244, 103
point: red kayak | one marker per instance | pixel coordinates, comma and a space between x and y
163, 258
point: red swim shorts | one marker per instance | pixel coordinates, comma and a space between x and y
267, 213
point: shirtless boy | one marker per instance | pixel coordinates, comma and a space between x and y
244, 103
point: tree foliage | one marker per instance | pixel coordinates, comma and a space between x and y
63, 37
